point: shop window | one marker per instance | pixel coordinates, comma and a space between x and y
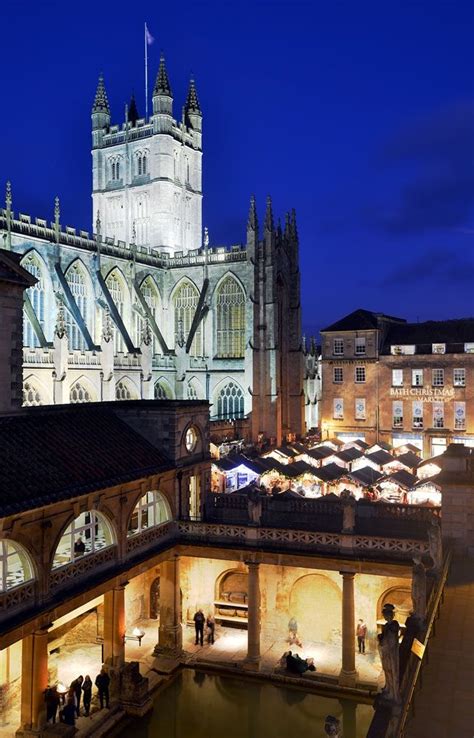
151, 510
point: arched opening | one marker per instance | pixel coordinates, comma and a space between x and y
78, 284
162, 391
229, 401
116, 286
401, 598
232, 591
31, 394
152, 509
80, 393
16, 567
230, 319
155, 599
315, 603
89, 533
185, 303
37, 295
152, 298
125, 390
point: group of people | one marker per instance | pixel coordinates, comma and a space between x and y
71, 701
200, 621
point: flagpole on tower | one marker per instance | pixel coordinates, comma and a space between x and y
146, 73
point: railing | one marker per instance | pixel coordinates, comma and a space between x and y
63, 575
150, 537
79, 358
17, 597
37, 356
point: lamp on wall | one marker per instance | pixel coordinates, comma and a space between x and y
137, 635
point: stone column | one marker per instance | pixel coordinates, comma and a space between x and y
348, 673
170, 632
34, 680
4, 683
253, 633
114, 627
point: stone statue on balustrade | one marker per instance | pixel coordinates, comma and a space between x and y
418, 588
254, 507
332, 726
389, 655
349, 506
436, 545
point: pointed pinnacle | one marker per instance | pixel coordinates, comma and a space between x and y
162, 83
293, 223
192, 102
101, 103
269, 215
8, 194
252, 221
57, 209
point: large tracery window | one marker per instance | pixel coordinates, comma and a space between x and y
230, 319
15, 566
37, 295
117, 291
151, 510
77, 284
185, 303
88, 533
31, 395
150, 293
230, 402
79, 394
124, 391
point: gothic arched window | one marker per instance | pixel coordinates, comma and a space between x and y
144, 164
15, 565
116, 288
151, 510
161, 392
192, 392
230, 402
88, 533
79, 394
37, 295
77, 284
230, 319
31, 395
152, 298
124, 391
186, 300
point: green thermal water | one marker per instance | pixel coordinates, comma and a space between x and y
198, 705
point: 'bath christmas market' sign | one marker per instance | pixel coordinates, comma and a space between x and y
427, 394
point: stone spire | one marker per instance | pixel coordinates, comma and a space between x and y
252, 222
269, 215
162, 98
293, 224
162, 83
132, 114
192, 102
101, 103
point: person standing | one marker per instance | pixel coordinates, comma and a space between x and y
68, 713
87, 694
211, 627
76, 686
361, 635
51, 698
102, 682
199, 621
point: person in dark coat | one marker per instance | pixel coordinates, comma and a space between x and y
79, 548
87, 694
297, 665
51, 698
68, 713
76, 686
199, 621
102, 682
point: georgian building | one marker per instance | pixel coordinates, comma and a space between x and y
144, 307
388, 380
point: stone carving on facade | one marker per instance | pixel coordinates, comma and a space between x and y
389, 654
332, 726
436, 544
418, 588
348, 512
254, 506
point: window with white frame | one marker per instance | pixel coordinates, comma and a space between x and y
230, 402
77, 284
459, 377
338, 375
360, 346
438, 414
150, 511
186, 301
338, 347
417, 414
437, 377
438, 348
230, 320
37, 295
338, 408
360, 408
15, 565
89, 533
397, 377
459, 415
397, 414
31, 395
359, 374
417, 377
79, 394
191, 439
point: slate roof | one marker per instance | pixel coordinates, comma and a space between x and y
360, 320
322, 452
365, 476
59, 452
403, 478
349, 454
454, 333
380, 457
330, 472
409, 459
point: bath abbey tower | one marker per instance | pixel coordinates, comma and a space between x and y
144, 306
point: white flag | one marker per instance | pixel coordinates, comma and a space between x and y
148, 36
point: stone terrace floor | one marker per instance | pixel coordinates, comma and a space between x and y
444, 707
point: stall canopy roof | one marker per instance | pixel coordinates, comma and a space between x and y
403, 478
365, 476
409, 459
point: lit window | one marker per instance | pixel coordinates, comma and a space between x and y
31, 395
360, 374
438, 348
417, 377
77, 284
460, 415
397, 377
338, 408
79, 394
360, 408
230, 402
116, 288
230, 319
459, 377
404, 350
190, 440
360, 346
338, 347
397, 414
150, 293
185, 304
437, 377
15, 565
338, 375
88, 533
417, 409
151, 510
438, 415
37, 295
469, 348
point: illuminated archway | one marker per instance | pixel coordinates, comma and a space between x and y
16, 566
89, 533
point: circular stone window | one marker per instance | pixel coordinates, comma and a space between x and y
190, 440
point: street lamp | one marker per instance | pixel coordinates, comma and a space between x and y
137, 635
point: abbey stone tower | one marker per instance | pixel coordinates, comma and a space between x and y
144, 307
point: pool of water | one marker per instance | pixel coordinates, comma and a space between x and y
199, 705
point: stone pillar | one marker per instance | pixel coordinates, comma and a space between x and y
253, 633
34, 680
4, 684
170, 631
348, 673
114, 627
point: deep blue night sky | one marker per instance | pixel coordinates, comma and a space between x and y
358, 114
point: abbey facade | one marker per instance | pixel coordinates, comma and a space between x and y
144, 307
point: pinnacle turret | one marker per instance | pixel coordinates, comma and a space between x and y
269, 215
252, 221
133, 115
101, 103
192, 102
162, 83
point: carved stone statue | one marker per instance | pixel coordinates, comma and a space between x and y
332, 726
254, 508
418, 588
436, 544
389, 655
348, 512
